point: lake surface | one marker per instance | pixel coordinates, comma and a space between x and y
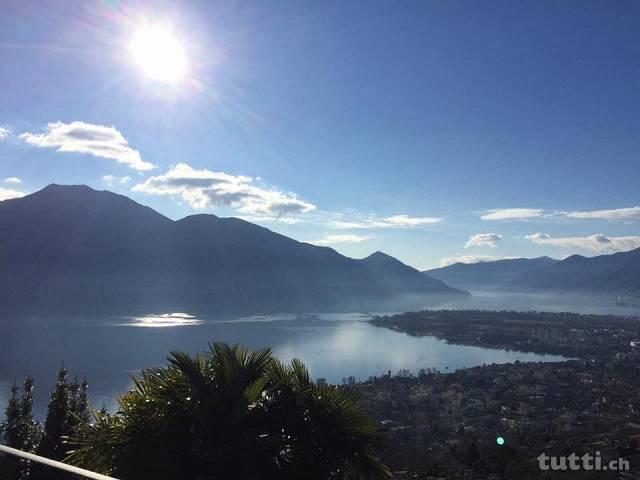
108, 350
333, 346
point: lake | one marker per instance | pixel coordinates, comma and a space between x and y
333, 346
108, 351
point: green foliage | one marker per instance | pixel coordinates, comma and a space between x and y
68, 408
19, 430
231, 413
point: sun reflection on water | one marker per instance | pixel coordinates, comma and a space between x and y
163, 320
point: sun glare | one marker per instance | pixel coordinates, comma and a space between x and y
157, 52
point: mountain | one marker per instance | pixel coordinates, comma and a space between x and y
488, 275
72, 248
385, 268
618, 273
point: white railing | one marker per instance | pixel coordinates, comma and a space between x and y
53, 464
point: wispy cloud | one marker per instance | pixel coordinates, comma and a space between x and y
394, 221
6, 194
271, 219
512, 214
630, 213
14, 180
4, 132
621, 214
97, 140
483, 240
337, 239
112, 180
204, 188
597, 243
444, 262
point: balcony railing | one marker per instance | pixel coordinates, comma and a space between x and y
53, 464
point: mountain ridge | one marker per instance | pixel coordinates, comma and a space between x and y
611, 274
488, 275
88, 250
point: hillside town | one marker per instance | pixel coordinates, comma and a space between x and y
493, 421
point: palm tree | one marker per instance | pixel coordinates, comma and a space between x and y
232, 413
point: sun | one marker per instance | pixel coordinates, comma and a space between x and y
159, 54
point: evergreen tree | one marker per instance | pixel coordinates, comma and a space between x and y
78, 405
55, 425
30, 428
68, 407
20, 431
10, 467
83, 412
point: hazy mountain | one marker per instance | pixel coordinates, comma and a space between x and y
386, 269
488, 275
74, 248
618, 273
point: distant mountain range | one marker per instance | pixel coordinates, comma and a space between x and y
488, 275
615, 274
72, 248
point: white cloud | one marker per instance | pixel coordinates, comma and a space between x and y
470, 259
6, 194
111, 180
512, 214
483, 240
204, 188
14, 180
407, 221
268, 219
97, 140
622, 214
630, 213
336, 239
394, 221
4, 132
598, 243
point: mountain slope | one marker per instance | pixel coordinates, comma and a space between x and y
488, 275
74, 248
618, 273
392, 271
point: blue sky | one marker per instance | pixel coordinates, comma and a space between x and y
429, 130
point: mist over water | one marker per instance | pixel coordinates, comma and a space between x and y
107, 350
544, 302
